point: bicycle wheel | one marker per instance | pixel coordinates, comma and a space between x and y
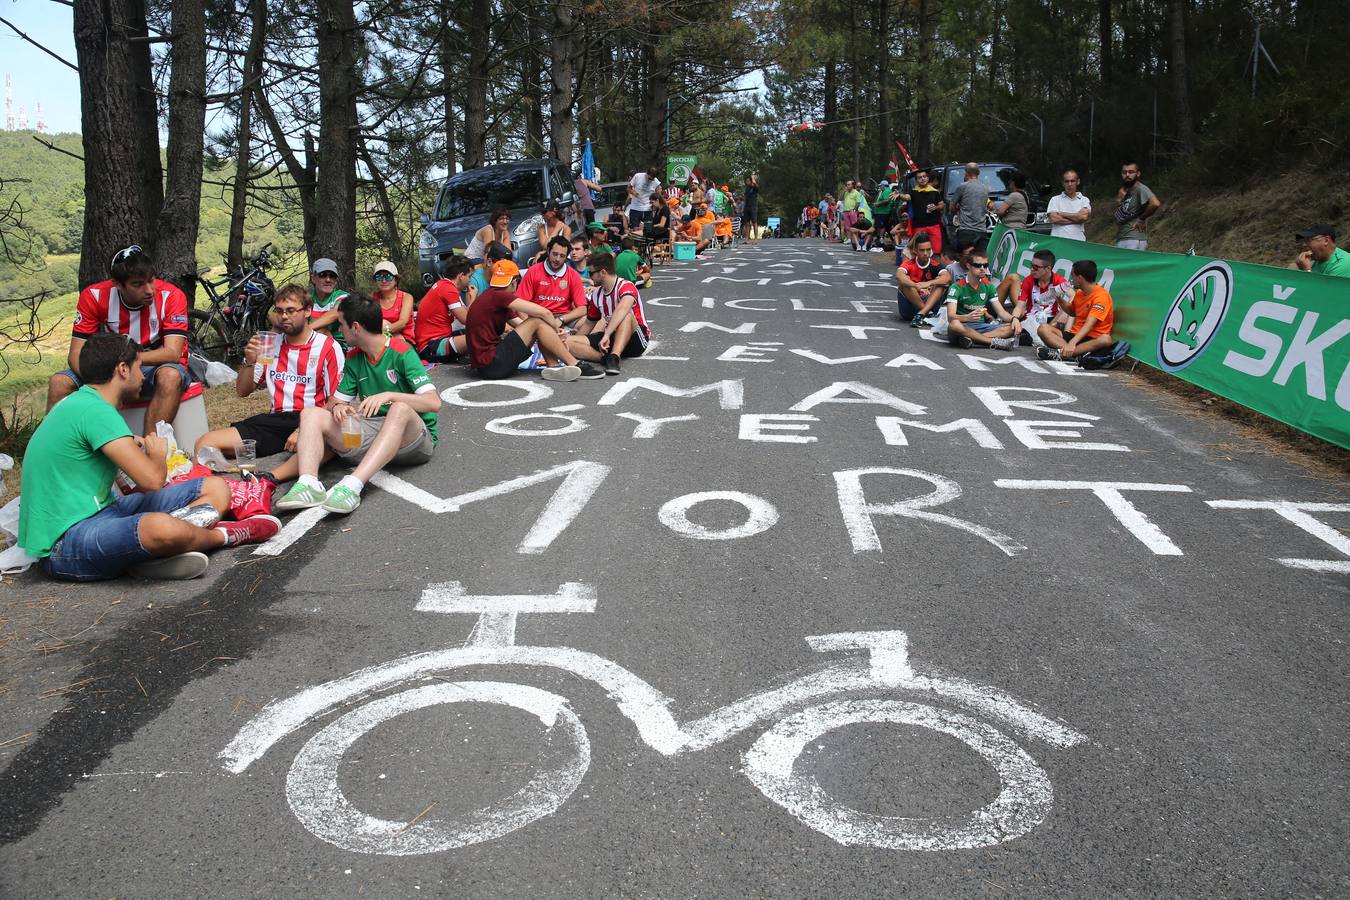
1024, 799
207, 337
318, 802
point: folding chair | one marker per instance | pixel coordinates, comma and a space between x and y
735, 230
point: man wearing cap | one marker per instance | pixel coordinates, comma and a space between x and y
386, 385
1320, 253
496, 353
325, 295
599, 236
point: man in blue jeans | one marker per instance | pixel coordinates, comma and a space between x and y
69, 517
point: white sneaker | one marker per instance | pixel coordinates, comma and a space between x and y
561, 373
182, 567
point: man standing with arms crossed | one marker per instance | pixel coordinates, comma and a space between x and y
1069, 210
1135, 204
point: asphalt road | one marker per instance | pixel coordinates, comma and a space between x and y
1102, 653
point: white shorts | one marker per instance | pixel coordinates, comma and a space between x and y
1032, 325
1133, 244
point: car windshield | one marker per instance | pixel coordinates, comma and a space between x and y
478, 193
994, 177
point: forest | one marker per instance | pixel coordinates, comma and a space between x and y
211, 125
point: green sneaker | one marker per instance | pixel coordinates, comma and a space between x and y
341, 500
300, 496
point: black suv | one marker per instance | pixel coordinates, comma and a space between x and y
995, 176
466, 199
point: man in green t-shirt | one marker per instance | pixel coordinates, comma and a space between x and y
882, 209
628, 264
973, 314
396, 413
1320, 253
69, 517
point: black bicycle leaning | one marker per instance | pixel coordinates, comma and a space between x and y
237, 310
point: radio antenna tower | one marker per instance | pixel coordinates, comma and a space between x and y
9, 102
23, 117
41, 122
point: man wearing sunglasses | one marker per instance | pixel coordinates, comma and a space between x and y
324, 297
973, 314
1319, 252
153, 313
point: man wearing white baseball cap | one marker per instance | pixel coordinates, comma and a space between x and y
325, 296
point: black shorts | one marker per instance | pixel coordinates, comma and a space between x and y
588, 215
511, 352
440, 350
269, 429
636, 346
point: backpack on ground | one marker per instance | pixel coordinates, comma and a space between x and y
1105, 359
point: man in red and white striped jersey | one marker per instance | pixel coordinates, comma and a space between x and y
153, 313
616, 323
307, 370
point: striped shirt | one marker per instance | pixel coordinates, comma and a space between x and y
603, 304
304, 375
100, 308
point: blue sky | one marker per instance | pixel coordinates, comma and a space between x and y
37, 77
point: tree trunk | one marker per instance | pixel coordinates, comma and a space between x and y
176, 240
830, 164
449, 87
251, 73
119, 131
657, 59
301, 173
335, 200
882, 67
1181, 92
854, 77
533, 87
1104, 38
923, 141
561, 102
393, 239
476, 83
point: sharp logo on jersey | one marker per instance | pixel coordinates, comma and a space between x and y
1195, 316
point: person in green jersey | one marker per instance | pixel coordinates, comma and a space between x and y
883, 210
71, 520
396, 413
325, 296
973, 314
1320, 253
629, 263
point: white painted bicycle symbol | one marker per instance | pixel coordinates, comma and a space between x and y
862, 689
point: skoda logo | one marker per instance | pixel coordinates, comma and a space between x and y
1001, 262
1195, 316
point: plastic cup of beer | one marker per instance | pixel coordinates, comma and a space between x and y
246, 457
351, 432
271, 346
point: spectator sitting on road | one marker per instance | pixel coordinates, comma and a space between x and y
693, 229
576, 258
1069, 210
1043, 294
304, 374
496, 353
1094, 315
439, 328
151, 312
922, 282
69, 518
497, 229
1320, 253
969, 206
599, 235
861, 233
969, 305
325, 295
722, 230
395, 306
628, 264
496, 251
958, 260
616, 324
397, 409
554, 285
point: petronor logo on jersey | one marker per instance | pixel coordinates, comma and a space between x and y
1195, 316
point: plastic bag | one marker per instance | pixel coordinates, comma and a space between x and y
177, 462
217, 373
213, 459
13, 560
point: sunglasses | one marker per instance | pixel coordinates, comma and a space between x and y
126, 253
1034, 266
325, 275
384, 276
976, 265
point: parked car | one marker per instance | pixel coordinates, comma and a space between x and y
995, 176
466, 199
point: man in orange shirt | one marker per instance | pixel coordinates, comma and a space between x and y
1094, 314
693, 229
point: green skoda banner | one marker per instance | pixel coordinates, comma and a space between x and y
1275, 340
679, 166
